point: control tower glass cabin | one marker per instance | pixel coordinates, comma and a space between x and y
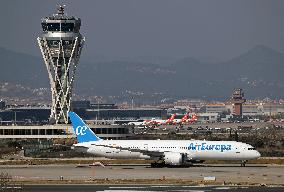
61, 44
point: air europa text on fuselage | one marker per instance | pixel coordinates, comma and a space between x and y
207, 147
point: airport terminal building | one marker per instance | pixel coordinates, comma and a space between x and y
106, 120
85, 109
62, 131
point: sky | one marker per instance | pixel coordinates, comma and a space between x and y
217, 29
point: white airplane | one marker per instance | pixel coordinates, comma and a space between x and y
137, 123
163, 152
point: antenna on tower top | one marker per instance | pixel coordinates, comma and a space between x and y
60, 10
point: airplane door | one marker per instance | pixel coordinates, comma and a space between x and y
146, 146
238, 151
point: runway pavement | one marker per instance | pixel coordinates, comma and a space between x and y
252, 174
148, 188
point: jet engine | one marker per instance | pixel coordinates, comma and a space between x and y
172, 158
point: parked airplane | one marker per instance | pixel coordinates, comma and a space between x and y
193, 118
164, 152
185, 119
182, 120
153, 122
138, 123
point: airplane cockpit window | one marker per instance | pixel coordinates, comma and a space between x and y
251, 148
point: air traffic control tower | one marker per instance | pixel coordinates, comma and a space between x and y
61, 44
238, 98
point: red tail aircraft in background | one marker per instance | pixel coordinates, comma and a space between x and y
186, 119
193, 118
161, 121
169, 121
182, 120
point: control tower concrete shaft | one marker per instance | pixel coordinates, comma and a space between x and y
61, 44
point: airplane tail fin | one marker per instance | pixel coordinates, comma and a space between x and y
82, 131
171, 119
185, 117
193, 118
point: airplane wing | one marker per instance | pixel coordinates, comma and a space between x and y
78, 147
143, 151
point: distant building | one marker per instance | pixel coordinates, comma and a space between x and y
191, 104
88, 105
86, 110
217, 108
272, 108
109, 111
207, 117
252, 110
2, 105
176, 110
136, 113
80, 104
103, 106
25, 114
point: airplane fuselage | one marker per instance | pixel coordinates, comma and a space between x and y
192, 149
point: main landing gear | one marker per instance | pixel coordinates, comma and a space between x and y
243, 163
158, 164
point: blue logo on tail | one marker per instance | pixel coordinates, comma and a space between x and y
82, 131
